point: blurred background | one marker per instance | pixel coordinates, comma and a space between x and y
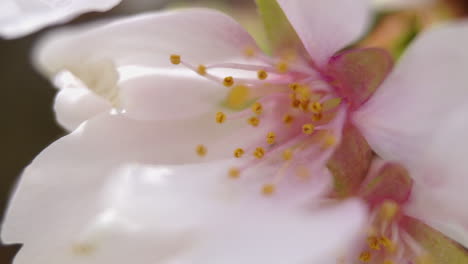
27, 118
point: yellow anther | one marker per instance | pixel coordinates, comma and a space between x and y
270, 138
331, 103
294, 86
238, 96
220, 117
234, 173
303, 92
257, 108
238, 153
373, 243
387, 261
228, 81
262, 74
295, 103
329, 141
268, 189
288, 119
282, 67
259, 152
316, 107
175, 59
388, 210
365, 256
201, 69
201, 150
249, 52
253, 121
317, 117
308, 129
387, 244
304, 105
287, 155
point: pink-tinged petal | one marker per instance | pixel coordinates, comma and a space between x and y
169, 94
419, 118
21, 17
400, 4
441, 249
386, 181
350, 161
190, 214
74, 103
200, 36
358, 73
66, 175
325, 27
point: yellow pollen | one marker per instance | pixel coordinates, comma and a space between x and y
282, 67
365, 256
317, 117
331, 104
303, 92
387, 261
388, 210
304, 105
175, 59
268, 189
234, 173
238, 96
228, 81
238, 153
329, 141
257, 108
295, 103
249, 52
270, 138
387, 244
262, 74
201, 150
220, 117
308, 129
287, 155
294, 86
288, 119
316, 107
373, 243
201, 69
259, 152
253, 121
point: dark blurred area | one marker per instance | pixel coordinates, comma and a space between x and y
27, 118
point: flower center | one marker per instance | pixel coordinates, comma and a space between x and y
291, 99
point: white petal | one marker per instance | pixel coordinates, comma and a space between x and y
77, 164
21, 17
189, 214
419, 118
325, 27
74, 103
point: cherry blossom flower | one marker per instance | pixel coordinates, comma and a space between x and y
191, 145
21, 17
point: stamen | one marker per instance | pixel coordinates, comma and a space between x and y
228, 81
387, 243
253, 121
288, 119
365, 256
316, 107
257, 108
308, 129
270, 138
316, 117
388, 210
201, 70
234, 173
294, 86
282, 67
220, 117
249, 52
259, 152
287, 155
238, 96
373, 243
387, 261
268, 189
238, 153
201, 150
262, 75
175, 59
